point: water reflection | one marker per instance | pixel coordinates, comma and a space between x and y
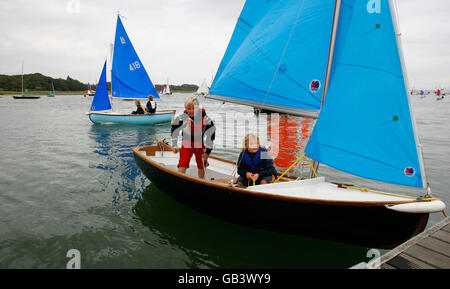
292, 135
211, 243
121, 178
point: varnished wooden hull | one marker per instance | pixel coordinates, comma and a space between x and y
368, 226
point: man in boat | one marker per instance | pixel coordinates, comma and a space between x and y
140, 109
151, 105
195, 125
255, 165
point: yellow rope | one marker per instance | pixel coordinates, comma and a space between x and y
359, 189
312, 168
290, 167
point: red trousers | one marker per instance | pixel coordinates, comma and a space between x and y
186, 155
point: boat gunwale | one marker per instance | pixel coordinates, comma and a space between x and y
161, 112
221, 186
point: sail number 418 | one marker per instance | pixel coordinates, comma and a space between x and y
135, 65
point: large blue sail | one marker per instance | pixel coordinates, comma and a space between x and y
101, 98
129, 79
277, 56
365, 127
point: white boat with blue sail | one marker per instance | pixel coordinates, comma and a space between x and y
341, 63
129, 81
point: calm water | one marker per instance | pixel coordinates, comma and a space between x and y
68, 184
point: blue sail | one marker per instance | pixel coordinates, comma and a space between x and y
277, 56
101, 98
129, 79
365, 127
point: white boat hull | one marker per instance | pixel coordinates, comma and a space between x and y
140, 119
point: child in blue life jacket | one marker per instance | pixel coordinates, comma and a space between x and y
255, 165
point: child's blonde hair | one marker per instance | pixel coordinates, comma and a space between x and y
247, 140
191, 100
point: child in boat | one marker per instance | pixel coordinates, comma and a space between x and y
195, 125
140, 109
151, 105
255, 165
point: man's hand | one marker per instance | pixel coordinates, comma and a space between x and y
255, 177
205, 156
249, 176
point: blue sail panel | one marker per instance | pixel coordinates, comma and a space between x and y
278, 54
129, 79
365, 127
101, 97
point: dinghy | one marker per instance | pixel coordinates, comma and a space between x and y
89, 91
101, 106
311, 207
339, 62
129, 81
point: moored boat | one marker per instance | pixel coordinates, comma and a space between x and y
26, 96
23, 95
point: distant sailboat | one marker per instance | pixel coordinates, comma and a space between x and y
89, 91
203, 89
439, 94
25, 96
341, 59
166, 90
129, 80
53, 91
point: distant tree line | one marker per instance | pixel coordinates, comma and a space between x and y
173, 88
37, 81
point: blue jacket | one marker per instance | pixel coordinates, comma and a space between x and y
255, 164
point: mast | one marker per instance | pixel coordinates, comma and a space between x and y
405, 77
22, 77
337, 12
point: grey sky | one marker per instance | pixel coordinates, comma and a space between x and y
182, 40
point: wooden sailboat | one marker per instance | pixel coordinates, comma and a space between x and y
357, 88
129, 80
25, 96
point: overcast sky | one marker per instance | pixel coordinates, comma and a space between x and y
179, 40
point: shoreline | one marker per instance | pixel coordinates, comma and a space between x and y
44, 93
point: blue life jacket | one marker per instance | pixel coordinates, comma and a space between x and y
255, 164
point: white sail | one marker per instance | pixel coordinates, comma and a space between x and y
203, 89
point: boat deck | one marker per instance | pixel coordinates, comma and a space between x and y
428, 250
314, 189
